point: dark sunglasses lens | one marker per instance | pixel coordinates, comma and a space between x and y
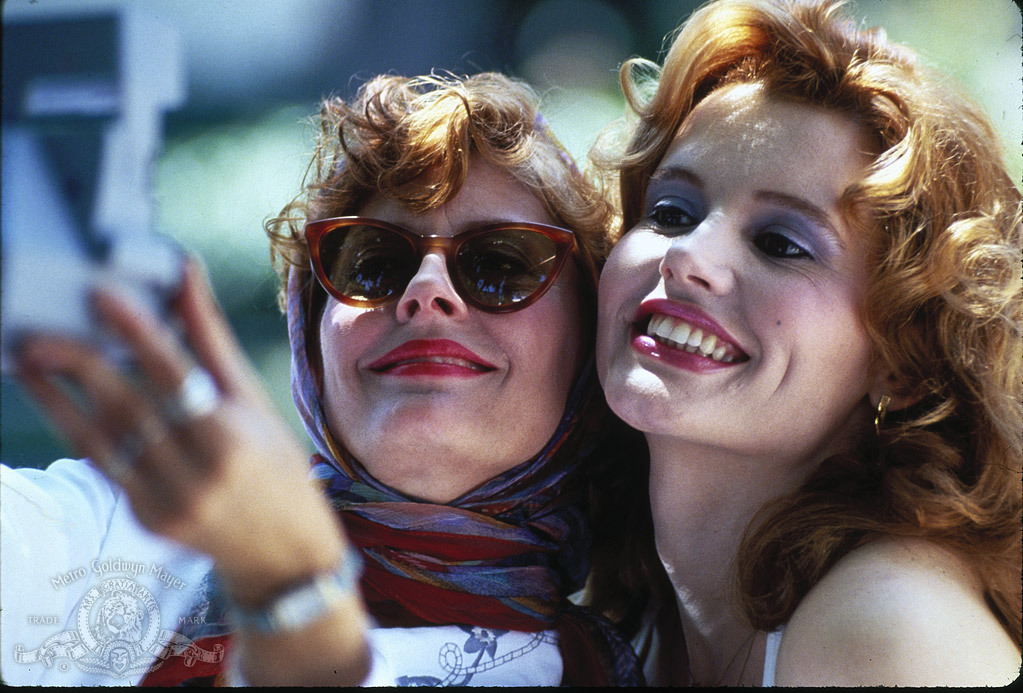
506, 266
367, 263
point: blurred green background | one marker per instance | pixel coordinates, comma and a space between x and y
236, 152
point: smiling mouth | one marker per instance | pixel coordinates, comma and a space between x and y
679, 334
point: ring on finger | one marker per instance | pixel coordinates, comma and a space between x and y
195, 398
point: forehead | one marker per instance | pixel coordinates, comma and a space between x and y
489, 194
781, 141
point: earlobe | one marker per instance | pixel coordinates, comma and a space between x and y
890, 393
889, 385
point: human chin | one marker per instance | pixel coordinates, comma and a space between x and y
636, 395
647, 399
399, 428
386, 404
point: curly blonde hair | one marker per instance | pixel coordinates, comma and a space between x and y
943, 310
398, 128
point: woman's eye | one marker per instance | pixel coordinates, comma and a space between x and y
779, 246
671, 215
500, 262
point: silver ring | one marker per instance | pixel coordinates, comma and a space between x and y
196, 397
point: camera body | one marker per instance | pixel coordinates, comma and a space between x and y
83, 103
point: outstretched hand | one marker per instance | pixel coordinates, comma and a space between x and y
213, 468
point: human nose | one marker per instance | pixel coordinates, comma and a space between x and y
431, 291
704, 258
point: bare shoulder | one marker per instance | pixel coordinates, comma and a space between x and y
897, 612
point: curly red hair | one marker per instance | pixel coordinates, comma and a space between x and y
944, 309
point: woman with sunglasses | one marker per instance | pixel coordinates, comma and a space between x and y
814, 315
439, 283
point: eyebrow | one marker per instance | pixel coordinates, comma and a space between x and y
676, 173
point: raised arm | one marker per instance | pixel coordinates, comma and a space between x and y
212, 468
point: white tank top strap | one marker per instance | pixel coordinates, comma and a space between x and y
771, 655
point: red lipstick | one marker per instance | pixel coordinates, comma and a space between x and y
431, 357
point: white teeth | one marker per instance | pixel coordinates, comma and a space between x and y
664, 329
681, 335
695, 337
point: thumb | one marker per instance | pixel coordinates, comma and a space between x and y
211, 337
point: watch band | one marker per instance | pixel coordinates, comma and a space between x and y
303, 604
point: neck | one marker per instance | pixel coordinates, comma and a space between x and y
702, 500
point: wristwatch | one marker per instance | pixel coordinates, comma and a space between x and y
303, 604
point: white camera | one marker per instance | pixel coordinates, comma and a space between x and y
83, 103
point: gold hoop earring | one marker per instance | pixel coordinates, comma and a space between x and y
882, 410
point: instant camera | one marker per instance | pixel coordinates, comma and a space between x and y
83, 104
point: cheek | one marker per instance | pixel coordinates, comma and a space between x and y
824, 329
570, 333
331, 357
567, 320
628, 276
605, 335
340, 340
611, 287
632, 269
549, 342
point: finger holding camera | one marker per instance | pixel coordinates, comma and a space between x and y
191, 438
104, 416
